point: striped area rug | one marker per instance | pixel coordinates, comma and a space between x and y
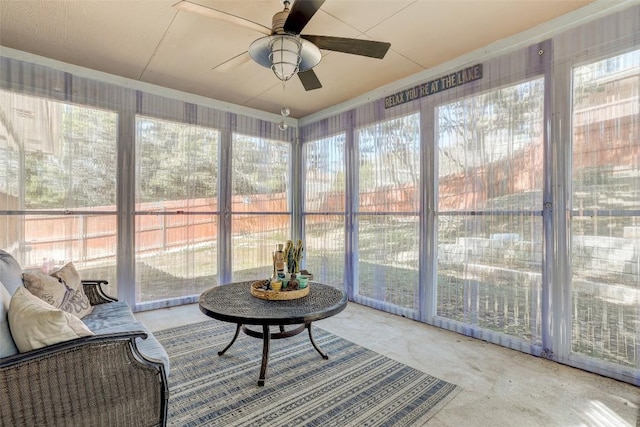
355, 387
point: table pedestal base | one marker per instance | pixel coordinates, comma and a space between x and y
266, 337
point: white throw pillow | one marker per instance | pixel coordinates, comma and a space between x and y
49, 289
62, 289
75, 302
34, 323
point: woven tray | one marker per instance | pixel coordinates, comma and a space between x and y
280, 295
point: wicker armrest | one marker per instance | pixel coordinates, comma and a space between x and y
93, 290
100, 380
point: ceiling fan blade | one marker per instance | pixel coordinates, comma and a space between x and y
232, 63
188, 6
309, 80
372, 49
300, 14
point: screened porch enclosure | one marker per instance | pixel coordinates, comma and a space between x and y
506, 209
477, 209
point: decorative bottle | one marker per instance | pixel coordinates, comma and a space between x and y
279, 262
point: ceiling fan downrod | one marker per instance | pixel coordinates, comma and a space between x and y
279, 19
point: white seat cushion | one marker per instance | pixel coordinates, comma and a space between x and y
10, 272
7, 346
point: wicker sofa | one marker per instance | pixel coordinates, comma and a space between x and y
117, 376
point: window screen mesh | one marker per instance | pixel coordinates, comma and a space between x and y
176, 209
260, 204
605, 223
324, 217
388, 185
57, 166
490, 177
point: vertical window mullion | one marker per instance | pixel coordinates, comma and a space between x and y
556, 305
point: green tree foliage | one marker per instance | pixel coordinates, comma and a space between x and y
260, 166
176, 161
390, 157
81, 170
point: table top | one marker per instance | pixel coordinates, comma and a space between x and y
234, 303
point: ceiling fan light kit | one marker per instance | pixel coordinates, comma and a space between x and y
285, 54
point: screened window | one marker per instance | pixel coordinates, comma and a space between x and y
605, 221
261, 217
490, 178
324, 205
388, 212
176, 209
58, 185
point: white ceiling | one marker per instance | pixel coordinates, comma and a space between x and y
154, 42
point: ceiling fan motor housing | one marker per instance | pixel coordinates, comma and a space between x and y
278, 20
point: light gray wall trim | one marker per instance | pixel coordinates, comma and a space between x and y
428, 263
125, 201
351, 206
557, 292
296, 196
224, 200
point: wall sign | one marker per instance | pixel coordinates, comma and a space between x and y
434, 86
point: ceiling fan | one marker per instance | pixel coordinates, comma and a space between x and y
284, 49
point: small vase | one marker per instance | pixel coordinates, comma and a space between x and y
303, 281
293, 283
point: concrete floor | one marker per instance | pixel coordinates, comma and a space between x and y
500, 387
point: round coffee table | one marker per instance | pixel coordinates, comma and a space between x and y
234, 303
